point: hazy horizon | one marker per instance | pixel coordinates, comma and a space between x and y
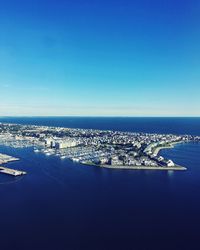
92, 116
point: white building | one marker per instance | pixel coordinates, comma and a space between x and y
48, 142
170, 163
65, 143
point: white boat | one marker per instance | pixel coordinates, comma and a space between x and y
75, 159
48, 153
63, 157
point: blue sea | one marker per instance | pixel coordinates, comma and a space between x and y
61, 205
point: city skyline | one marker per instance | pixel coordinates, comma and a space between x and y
99, 58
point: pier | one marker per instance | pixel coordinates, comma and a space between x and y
10, 171
7, 158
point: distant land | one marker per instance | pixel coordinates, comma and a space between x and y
104, 148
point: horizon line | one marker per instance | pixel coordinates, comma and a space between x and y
92, 116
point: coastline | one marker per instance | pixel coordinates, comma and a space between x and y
171, 145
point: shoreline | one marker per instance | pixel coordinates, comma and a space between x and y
171, 145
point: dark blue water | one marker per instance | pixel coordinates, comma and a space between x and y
146, 124
64, 205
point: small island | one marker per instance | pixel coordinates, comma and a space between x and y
103, 148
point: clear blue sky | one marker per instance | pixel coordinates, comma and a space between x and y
100, 57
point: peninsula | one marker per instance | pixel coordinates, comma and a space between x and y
103, 148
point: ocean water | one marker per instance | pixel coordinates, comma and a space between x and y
64, 205
133, 124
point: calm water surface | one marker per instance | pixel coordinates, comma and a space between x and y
64, 205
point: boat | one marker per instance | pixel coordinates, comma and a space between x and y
63, 157
48, 153
75, 159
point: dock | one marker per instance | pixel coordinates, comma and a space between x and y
10, 171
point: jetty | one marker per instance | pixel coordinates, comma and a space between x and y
10, 171
7, 158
